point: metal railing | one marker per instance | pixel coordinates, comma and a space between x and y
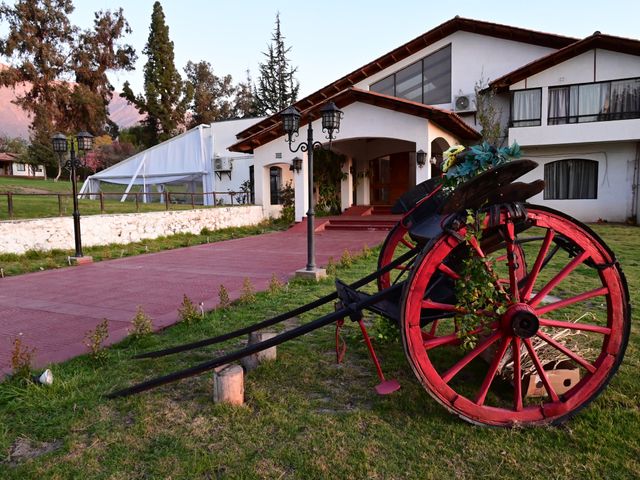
37, 205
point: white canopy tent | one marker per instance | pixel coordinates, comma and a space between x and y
184, 159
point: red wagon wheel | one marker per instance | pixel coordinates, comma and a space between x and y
571, 309
397, 239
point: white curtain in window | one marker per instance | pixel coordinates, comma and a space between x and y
558, 105
593, 100
625, 98
526, 106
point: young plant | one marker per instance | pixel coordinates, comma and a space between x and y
141, 324
478, 287
366, 251
94, 340
275, 285
347, 259
21, 359
188, 312
223, 297
247, 295
331, 267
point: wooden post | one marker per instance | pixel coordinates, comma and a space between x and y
193, 202
137, 203
228, 385
166, 200
101, 202
59, 205
10, 204
252, 362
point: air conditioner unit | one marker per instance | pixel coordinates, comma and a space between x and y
464, 103
222, 164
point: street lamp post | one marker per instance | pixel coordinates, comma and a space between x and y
331, 116
60, 144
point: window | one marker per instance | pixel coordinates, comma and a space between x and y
437, 77
571, 179
594, 102
526, 106
275, 179
427, 81
20, 167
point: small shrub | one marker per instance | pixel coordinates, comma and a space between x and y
140, 324
94, 340
187, 312
247, 294
366, 251
385, 330
205, 231
275, 285
346, 260
21, 358
223, 297
331, 267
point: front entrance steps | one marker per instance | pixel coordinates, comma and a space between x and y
355, 218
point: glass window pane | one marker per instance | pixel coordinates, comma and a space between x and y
525, 110
409, 82
384, 86
625, 99
437, 77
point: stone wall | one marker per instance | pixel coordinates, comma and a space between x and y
18, 236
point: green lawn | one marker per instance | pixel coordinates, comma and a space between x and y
46, 198
305, 417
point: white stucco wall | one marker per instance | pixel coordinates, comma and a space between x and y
594, 65
19, 236
473, 57
615, 171
223, 136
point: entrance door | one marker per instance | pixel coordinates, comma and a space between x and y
389, 178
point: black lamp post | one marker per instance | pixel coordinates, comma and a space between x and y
85, 143
331, 116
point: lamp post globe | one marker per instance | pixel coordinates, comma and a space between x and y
85, 141
59, 142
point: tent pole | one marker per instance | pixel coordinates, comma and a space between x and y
133, 179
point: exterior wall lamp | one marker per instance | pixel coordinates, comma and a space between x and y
84, 142
296, 165
421, 158
331, 116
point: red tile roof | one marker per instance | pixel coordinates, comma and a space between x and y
597, 40
444, 118
441, 31
8, 157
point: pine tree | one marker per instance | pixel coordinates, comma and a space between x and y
211, 95
163, 101
277, 88
244, 105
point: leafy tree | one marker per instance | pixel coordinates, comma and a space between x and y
47, 51
488, 114
211, 96
163, 101
244, 105
277, 88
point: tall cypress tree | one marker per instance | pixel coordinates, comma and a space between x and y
277, 87
163, 102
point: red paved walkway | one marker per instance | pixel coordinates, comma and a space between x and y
54, 309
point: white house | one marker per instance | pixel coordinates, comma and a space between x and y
420, 97
10, 166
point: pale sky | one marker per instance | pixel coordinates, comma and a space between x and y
332, 38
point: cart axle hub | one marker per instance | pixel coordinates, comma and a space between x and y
522, 320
